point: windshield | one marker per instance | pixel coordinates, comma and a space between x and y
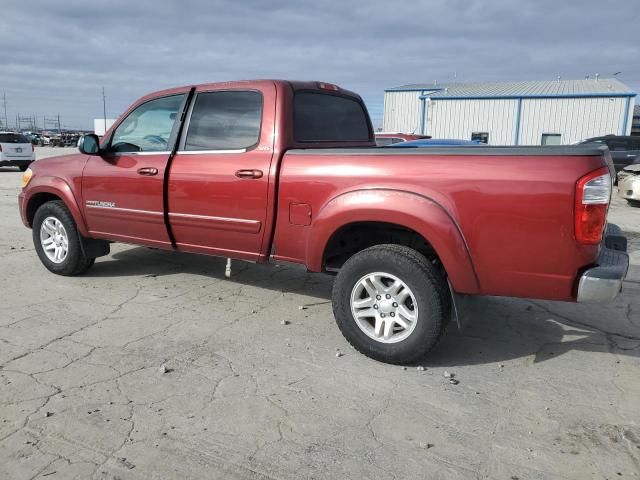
13, 138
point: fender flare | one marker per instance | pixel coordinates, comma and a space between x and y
60, 188
407, 209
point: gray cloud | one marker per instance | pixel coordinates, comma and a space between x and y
55, 57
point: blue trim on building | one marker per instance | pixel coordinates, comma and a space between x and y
626, 117
516, 135
414, 89
524, 97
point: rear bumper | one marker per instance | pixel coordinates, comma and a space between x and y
16, 162
603, 282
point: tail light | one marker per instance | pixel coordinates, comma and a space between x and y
593, 194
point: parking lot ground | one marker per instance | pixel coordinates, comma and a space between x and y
154, 365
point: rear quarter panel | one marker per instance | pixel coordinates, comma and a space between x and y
514, 214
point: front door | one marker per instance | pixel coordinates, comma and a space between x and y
219, 181
123, 189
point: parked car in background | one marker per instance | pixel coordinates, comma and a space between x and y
629, 184
438, 142
625, 150
16, 150
384, 139
295, 177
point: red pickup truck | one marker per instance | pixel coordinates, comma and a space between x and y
288, 172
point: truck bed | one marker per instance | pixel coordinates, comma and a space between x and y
511, 207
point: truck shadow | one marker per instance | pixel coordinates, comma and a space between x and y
498, 329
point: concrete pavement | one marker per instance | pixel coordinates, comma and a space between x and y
153, 365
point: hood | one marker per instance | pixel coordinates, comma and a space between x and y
634, 169
72, 164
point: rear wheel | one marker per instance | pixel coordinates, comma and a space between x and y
56, 240
391, 303
23, 168
634, 203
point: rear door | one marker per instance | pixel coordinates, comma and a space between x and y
219, 180
123, 189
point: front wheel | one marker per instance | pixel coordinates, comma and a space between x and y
391, 303
57, 242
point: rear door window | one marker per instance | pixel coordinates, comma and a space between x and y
617, 144
225, 120
13, 138
322, 117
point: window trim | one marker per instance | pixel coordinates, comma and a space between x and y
358, 100
187, 123
172, 136
544, 135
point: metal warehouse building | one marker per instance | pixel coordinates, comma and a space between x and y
515, 113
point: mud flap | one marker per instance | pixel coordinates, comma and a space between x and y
94, 248
460, 307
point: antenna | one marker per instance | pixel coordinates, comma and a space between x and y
104, 109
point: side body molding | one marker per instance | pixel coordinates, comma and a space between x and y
60, 188
407, 209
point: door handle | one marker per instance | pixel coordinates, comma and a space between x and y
249, 174
631, 155
148, 171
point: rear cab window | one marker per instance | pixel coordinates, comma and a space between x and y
13, 138
323, 117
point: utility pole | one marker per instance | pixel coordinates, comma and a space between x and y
59, 130
104, 109
4, 104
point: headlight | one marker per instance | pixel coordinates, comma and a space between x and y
26, 177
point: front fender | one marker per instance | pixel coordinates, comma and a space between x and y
413, 211
54, 186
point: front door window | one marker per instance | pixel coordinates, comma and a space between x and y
149, 128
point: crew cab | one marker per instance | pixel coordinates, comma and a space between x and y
288, 172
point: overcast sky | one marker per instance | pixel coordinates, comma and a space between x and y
55, 56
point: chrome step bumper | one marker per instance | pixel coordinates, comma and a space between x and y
603, 282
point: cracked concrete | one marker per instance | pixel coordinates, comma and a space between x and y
547, 390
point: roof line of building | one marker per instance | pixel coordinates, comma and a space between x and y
515, 97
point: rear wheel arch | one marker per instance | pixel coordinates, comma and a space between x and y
423, 224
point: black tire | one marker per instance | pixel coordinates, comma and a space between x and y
23, 168
634, 203
423, 279
76, 262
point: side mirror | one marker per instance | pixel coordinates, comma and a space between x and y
89, 144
